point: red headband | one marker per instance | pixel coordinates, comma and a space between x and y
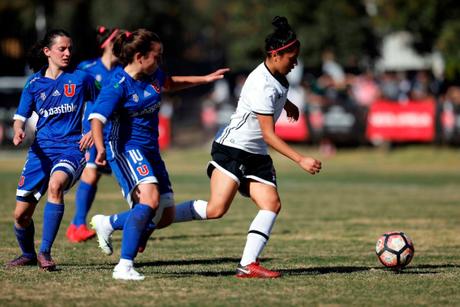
110, 38
284, 47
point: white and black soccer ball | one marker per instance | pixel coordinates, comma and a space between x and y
394, 249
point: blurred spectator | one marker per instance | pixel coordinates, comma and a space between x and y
422, 86
333, 69
364, 89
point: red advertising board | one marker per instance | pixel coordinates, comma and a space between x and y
413, 121
292, 131
164, 132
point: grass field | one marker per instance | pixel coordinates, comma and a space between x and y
323, 240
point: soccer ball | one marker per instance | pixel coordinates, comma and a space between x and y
394, 249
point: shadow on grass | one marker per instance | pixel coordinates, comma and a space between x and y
181, 237
416, 270
212, 261
213, 272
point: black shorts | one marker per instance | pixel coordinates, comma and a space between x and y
242, 166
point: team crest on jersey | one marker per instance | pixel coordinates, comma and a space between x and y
69, 89
21, 181
135, 98
143, 170
156, 86
43, 96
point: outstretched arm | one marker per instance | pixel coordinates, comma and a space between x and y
176, 83
267, 125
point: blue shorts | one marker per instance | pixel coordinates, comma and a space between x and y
132, 167
91, 162
39, 167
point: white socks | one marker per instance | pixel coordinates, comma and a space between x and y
124, 263
258, 235
191, 210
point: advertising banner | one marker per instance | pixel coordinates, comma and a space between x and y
392, 121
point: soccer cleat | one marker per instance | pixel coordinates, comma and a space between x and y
255, 270
21, 261
45, 262
104, 235
71, 233
126, 273
82, 233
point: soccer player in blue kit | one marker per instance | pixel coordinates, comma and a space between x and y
55, 159
130, 104
101, 69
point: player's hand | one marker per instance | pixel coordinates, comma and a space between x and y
311, 165
218, 74
86, 141
19, 136
292, 111
101, 158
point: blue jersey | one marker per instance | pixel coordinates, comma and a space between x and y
132, 106
59, 104
102, 76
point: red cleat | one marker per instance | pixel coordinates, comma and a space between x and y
83, 233
255, 270
71, 233
45, 262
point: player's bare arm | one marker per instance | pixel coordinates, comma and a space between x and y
19, 134
86, 141
98, 136
292, 111
267, 126
176, 83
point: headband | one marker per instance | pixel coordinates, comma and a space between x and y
110, 38
283, 47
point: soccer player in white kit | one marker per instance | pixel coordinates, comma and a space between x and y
240, 159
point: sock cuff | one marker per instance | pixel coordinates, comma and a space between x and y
54, 207
31, 226
126, 262
199, 207
263, 223
86, 186
143, 207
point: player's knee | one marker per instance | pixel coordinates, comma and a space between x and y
275, 206
215, 212
22, 218
55, 189
90, 176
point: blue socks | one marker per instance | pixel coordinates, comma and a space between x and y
51, 220
118, 220
83, 200
133, 229
25, 237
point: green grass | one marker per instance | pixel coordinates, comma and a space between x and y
323, 240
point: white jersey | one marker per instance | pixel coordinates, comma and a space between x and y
261, 94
